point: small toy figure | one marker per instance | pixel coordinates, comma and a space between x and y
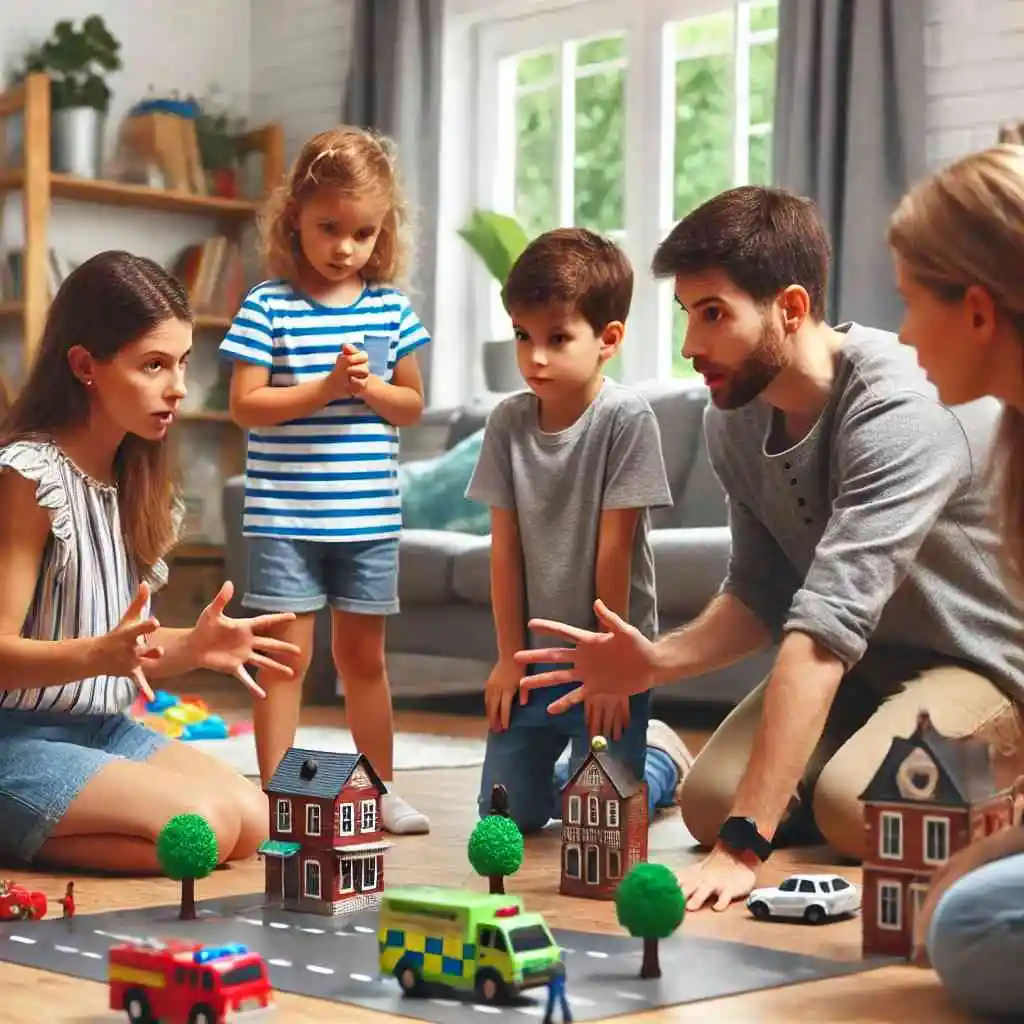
499, 800
556, 990
67, 903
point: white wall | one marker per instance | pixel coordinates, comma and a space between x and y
974, 51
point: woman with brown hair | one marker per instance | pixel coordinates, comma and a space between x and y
88, 514
958, 245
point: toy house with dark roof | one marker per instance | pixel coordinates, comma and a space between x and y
604, 825
932, 796
325, 854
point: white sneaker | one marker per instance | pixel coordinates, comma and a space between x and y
400, 818
667, 740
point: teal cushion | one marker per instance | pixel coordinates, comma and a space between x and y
434, 491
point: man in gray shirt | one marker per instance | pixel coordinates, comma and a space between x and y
861, 544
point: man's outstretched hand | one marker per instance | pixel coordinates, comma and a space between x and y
721, 878
618, 661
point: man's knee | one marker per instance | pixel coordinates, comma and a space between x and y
704, 802
839, 815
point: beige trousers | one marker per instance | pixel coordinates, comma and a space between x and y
877, 701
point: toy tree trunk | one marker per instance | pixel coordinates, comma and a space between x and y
497, 884
188, 900
650, 966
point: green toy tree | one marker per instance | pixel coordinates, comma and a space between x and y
496, 850
650, 905
186, 850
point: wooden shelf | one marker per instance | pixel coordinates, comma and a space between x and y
197, 553
116, 193
206, 416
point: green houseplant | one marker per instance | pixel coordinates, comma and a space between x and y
498, 240
219, 137
76, 60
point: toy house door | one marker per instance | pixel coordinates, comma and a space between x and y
592, 865
916, 894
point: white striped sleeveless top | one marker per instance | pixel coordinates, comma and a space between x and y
86, 580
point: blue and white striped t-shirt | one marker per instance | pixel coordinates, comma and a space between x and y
331, 476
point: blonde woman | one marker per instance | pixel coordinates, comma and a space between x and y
958, 246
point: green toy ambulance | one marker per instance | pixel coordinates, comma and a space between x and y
471, 941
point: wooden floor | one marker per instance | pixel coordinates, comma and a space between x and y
887, 994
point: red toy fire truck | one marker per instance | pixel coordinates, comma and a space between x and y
176, 982
20, 904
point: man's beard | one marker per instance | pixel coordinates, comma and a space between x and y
742, 385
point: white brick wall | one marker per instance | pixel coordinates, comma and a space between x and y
974, 51
299, 64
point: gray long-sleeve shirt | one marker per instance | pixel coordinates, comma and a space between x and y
877, 526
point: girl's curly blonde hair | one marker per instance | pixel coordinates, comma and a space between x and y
358, 163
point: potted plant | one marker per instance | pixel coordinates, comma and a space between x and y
498, 240
76, 60
219, 136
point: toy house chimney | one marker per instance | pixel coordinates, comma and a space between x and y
309, 769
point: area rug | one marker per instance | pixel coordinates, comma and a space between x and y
413, 751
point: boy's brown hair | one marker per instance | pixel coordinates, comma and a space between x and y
574, 268
763, 239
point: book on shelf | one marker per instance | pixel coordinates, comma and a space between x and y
213, 272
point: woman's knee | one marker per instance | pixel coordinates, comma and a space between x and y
222, 814
254, 820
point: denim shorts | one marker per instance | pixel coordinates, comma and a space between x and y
47, 757
300, 576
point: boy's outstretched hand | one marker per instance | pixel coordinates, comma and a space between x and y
223, 644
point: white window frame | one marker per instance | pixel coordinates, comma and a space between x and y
890, 887
614, 866
611, 813
369, 871
307, 890
368, 814
313, 816
575, 809
283, 813
592, 850
350, 829
343, 864
883, 852
475, 140
593, 811
943, 828
571, 848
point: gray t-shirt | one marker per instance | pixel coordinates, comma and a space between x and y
560, 483
877, 526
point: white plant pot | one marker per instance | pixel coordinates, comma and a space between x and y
76, 141
501, 370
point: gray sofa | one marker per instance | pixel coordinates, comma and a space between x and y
444, 576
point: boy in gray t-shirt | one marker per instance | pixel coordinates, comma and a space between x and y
569, 468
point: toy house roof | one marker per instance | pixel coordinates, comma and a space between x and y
618, 774
321, 774
964, 767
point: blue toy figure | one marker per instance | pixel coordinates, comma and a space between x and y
556, 990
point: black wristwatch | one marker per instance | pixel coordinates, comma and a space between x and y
742, 834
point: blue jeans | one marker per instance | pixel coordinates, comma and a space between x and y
529, 758
976, 940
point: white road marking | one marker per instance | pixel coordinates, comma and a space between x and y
530, 1011
597, 954
279, 924
120, 938
91, 955
486, 1009
631, 995
317, 969
279, 963
360, 977
580, 1000
251, 920
314, 931
445, 1002
566, 949
64, 949
23, 938
362, 928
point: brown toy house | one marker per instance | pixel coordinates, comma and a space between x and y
325, 854
932, 796
604, 825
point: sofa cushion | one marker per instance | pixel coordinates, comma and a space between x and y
426, 564
689, 566
434, 491
471, 579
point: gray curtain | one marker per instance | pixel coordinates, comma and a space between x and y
394, 87
850, 133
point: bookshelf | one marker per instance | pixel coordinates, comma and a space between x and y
38, 186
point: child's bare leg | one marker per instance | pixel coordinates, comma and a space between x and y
276, 717
358, 645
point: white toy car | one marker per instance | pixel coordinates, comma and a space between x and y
812, 898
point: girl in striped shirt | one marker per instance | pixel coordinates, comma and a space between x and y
86, 518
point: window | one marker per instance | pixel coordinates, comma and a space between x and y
592, 865
572, 862
620, 118
368, 815
311, 879
346, 826
825, 886
936, 840
889, 907
284, 815
611, 813
614, 863
839, 884
594, 778
593, 811
806, 885
369, 874
789, 885
312, 819
574, 809
891, 836
345, 875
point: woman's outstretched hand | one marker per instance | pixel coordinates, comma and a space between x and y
618, 661
223, 644
125, 650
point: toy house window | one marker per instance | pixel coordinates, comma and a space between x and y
593, 776
368, 815
936, 840
614, 863
312, 819
611, 813
345, 876
592, 865
593, 811
311, 879
891, 837
575, 809
572, 862
889, 905
346, 820
284, 815
369, 874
